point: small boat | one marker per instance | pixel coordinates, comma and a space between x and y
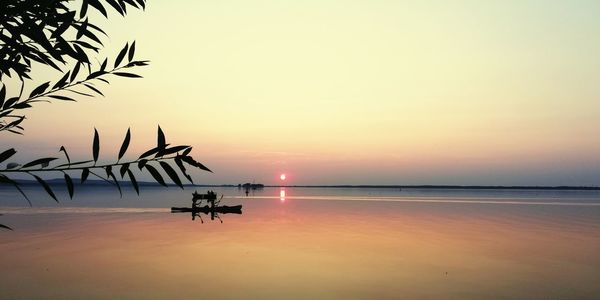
236, 209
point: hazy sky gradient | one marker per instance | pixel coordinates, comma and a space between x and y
353, 92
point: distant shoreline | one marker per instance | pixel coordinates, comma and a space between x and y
451, 187
350, 186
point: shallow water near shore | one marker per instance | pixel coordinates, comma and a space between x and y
304, 243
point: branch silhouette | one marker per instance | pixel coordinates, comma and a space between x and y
36, 31
59, 34
65, 89
150, 161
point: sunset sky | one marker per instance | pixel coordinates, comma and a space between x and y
350, 92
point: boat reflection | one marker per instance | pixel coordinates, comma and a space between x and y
214, 212
213, 208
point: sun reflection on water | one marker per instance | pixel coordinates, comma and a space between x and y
282, 195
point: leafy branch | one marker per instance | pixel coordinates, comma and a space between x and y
60, 33
153, 160
66, 87
35, 31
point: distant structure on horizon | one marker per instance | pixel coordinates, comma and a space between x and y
251, 186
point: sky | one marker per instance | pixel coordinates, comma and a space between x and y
350, 92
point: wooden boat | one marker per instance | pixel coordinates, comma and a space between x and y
236, 209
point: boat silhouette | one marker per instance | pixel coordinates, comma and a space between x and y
224, 209
213, 208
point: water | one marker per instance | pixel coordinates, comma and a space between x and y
304, 243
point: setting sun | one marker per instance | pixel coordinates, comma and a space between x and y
282, 176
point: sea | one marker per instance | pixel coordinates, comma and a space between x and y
301, 243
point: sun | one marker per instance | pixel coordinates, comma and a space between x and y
282, 176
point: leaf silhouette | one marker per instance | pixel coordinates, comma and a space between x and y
139, 63
192, 162
108, 170
16, 122
96, 74
2, 95
10, 102
69, 182
109, 174
81, 55
104, 63
125, 74
133, 182
161, 144
84, 175
97, 28
125, 144
75, 71
141, 3
151, 151
62, 148
5, 227
116, 6
5, 113
62, 81
7, 154
121, 55
171, 150
64, 98
99, 7
179, 163
46, 187
93, 88
131, 52
142, 163
52, 33
96, 146
5, 179
12, 165
40, 89
80, 93
21, 105
84, 7
124, 169
172, 174
41, 161
156, 175
82, 30
75, 163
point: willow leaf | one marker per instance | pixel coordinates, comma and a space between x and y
172, 174
133, 182
124, 169
96, 146
125, 144
156, 175
69, 182
121, 55
46, 187
62, 148
131, 52
84, 175
7, 154
42, 161
40, 89
125, 74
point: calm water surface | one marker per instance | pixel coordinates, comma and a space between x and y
303, 243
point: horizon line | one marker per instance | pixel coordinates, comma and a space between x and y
390, 186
